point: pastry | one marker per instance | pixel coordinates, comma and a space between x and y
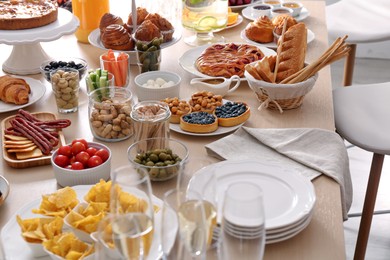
147, 31
108, 19
232, 113
178, 108
116, 37
26, 14
163, 24
291, 51
260, 30
205, 101
14, 90
199, 122
226, 60
141, 14
278, 22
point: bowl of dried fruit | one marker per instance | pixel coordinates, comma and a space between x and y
163, 158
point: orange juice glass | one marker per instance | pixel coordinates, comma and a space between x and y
89, 13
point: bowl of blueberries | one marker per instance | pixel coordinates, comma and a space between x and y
53, 64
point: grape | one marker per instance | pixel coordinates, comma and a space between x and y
247, 2
239, 2
232, 2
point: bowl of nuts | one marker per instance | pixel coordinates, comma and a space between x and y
163, 158
54, 64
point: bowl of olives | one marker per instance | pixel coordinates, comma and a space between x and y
53, 64
163, 158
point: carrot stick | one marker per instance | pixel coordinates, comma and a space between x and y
123, 61
114, 68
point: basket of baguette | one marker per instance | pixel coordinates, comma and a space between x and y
281, 82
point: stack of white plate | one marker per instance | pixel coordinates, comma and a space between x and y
289, 198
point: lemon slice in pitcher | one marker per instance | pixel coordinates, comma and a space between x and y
207, 24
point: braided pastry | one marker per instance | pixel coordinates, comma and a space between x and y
261, 30
116, 37
226, 60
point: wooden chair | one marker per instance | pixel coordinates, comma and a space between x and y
362, 116
364, 21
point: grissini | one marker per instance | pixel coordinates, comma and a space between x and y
291, 51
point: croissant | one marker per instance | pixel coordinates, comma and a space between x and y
14, 90
116, 37
108, 19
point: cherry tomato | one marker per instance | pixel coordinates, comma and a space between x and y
77, 166
94, 161
69, 167
78, 147
103, 153
91, 151
83, 157
72, 159
65, 150
81, 140
61, 160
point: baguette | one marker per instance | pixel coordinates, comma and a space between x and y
292, 51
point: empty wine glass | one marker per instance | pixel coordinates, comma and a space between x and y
204, 17
184, 226
132, 211
243, 222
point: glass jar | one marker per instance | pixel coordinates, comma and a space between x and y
109, 112
89, 13
150, 119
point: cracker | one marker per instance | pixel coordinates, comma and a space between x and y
18, 146
16, 150
18, 142
15, 137
27, 155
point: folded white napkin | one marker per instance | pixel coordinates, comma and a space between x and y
311, 152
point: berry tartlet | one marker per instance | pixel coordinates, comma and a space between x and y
232, 113
199, 122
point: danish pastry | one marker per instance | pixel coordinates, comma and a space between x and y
226, 60
116, 37
108, 19
260, 30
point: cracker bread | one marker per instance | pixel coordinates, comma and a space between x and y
27, 155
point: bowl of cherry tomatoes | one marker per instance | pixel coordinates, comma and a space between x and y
81, 163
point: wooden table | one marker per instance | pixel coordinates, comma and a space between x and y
322, 239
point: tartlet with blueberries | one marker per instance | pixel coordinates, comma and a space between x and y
199, 122
232, 113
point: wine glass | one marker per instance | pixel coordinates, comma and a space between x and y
204, 17
132, 211
184, 225
243, 222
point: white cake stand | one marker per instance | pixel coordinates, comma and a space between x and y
27, 54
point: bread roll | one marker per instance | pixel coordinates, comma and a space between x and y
261, 30
14, 90
116, 37
291, 51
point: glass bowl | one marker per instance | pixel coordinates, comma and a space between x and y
70, 62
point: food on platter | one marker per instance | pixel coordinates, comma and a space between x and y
260, 30
278, 22
58, 203
232, 113
26, 14
116, 37
108, 19
67, 246
205, 101
178, 108
228, 59
162, 24
42, 133
199, 122
37, 230
14, 90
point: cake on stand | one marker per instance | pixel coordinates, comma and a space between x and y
27, 53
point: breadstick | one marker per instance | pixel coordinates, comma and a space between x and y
279, 49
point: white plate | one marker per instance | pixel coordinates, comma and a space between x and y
272, 45
38, 89
239, 7
239, 21
4, 188
94, 40
187, 60
293, 194
247, 13
16, 248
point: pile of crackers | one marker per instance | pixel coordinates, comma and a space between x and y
22, 147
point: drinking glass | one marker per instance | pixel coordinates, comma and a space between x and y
133, 212
243, 222
184, 225
204, 17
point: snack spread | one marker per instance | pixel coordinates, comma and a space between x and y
226, 60
26, 14
14, 90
